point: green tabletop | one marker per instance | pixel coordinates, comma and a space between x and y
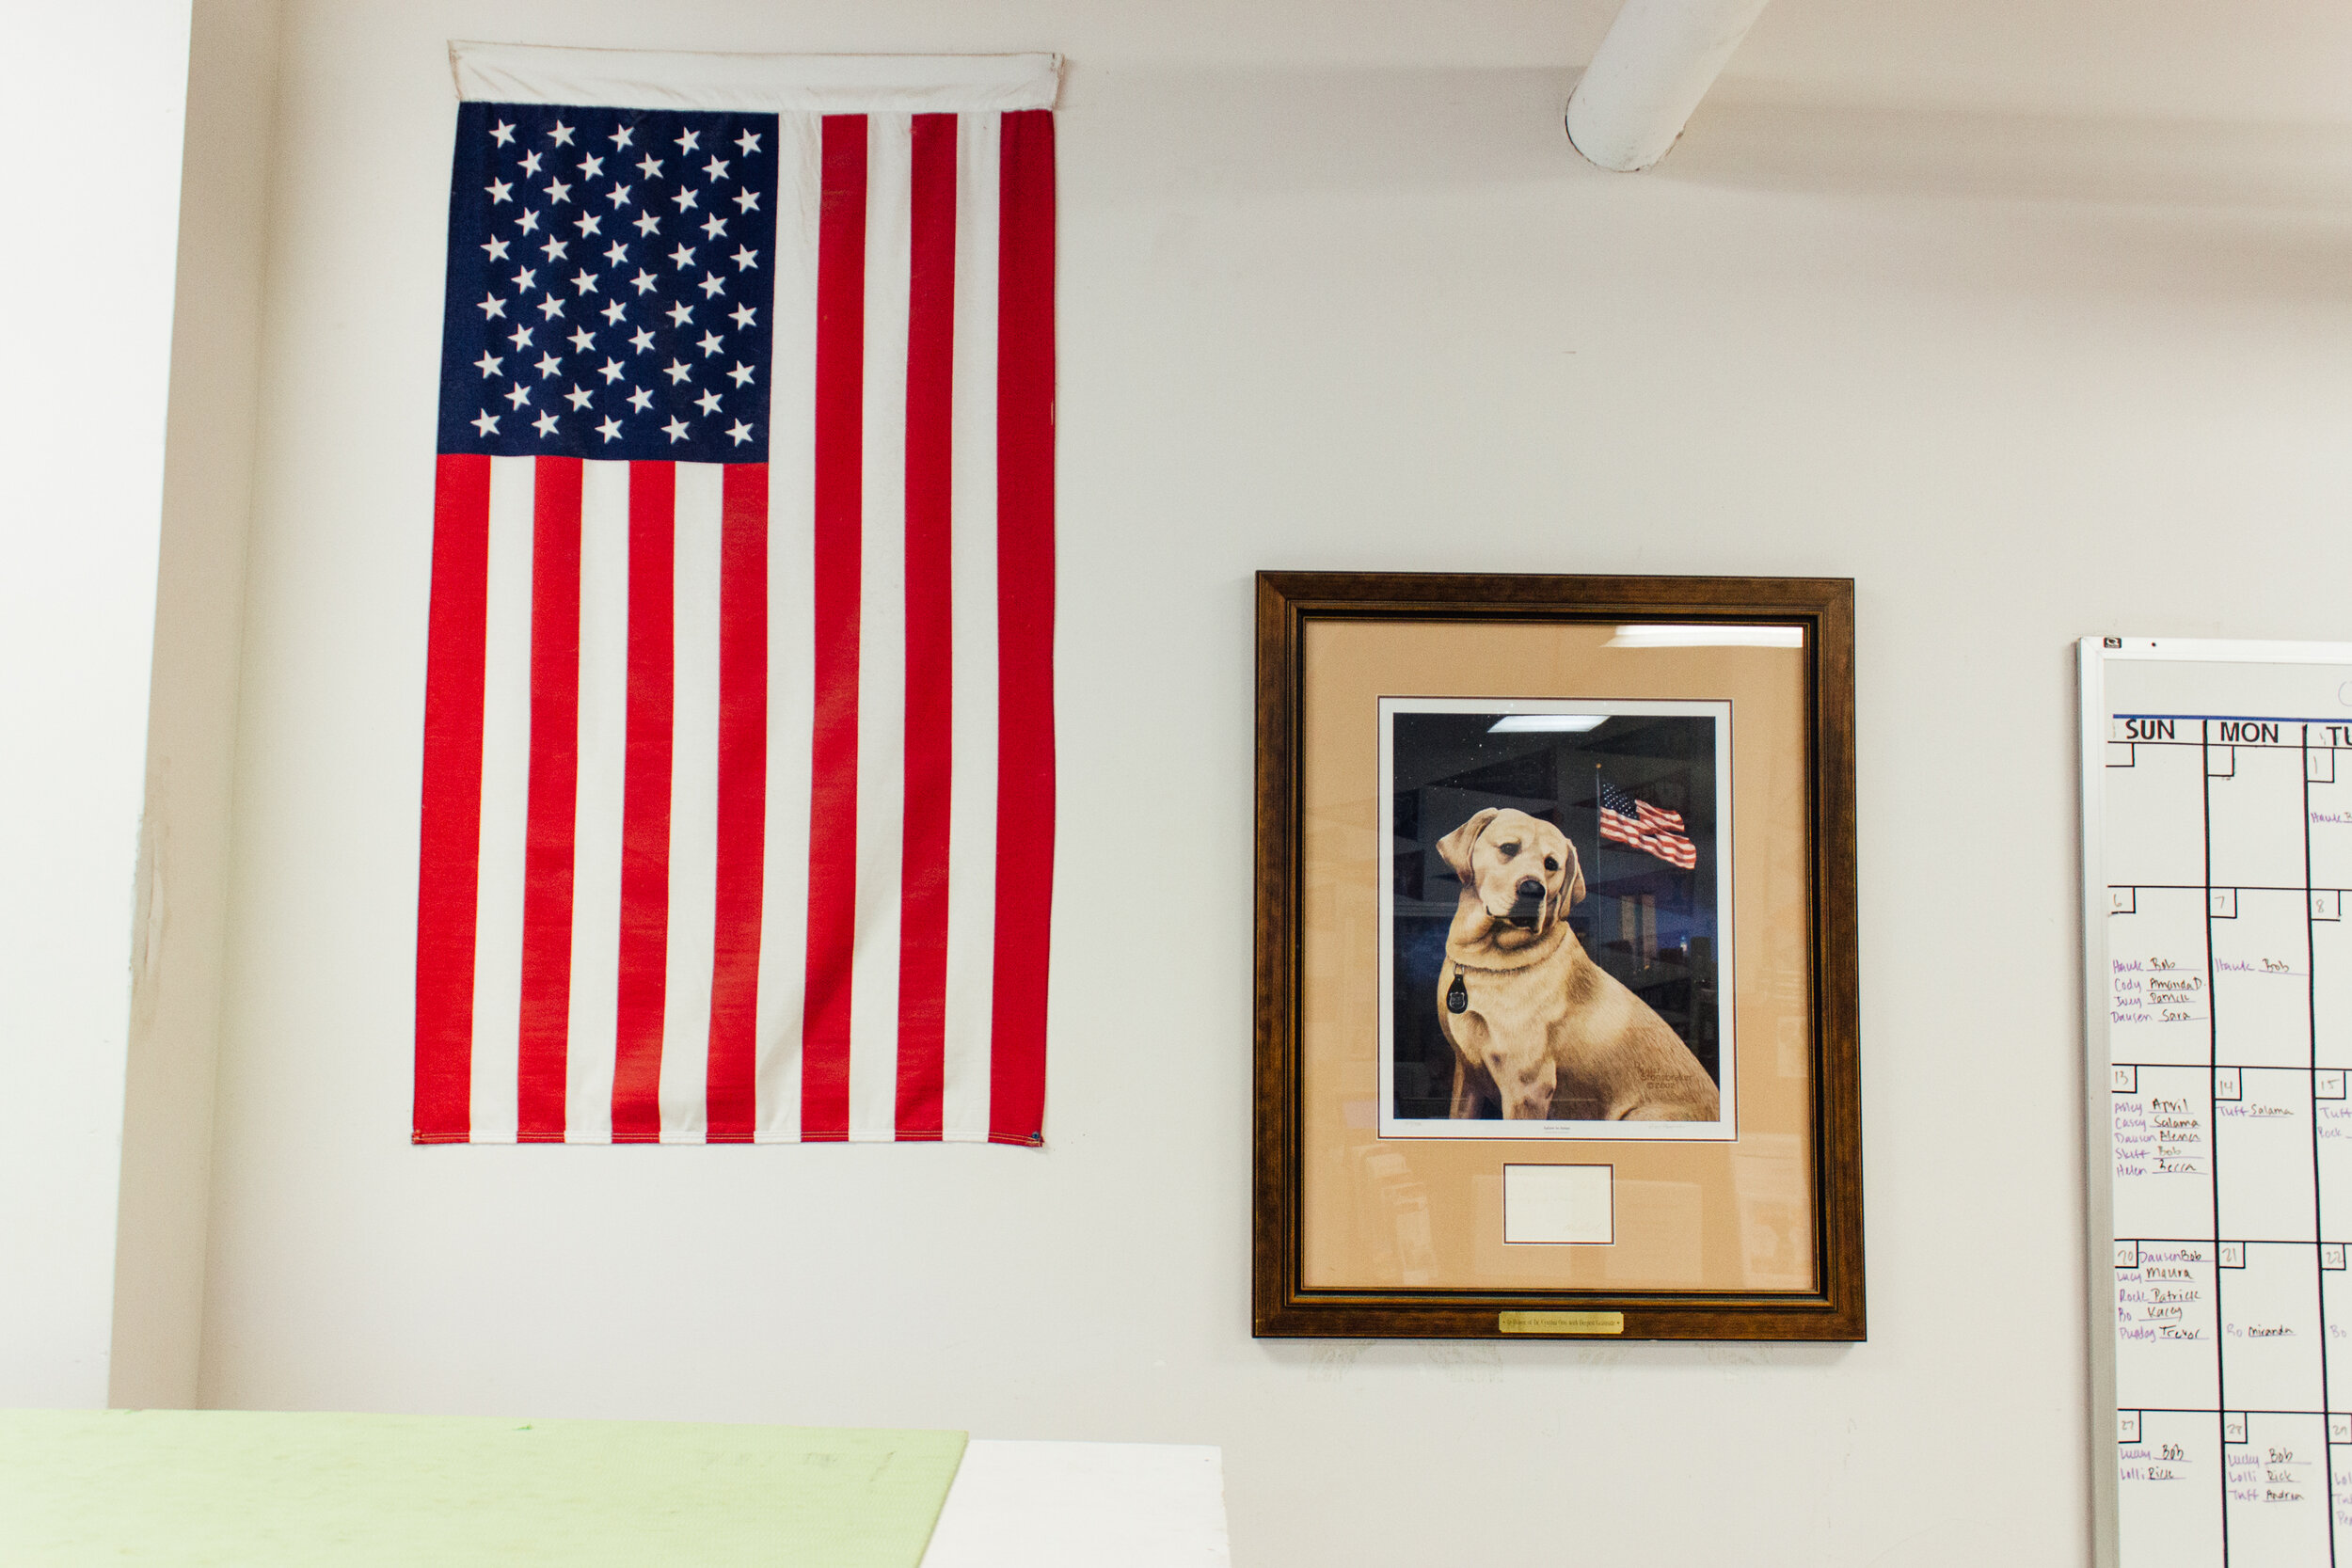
256, 1490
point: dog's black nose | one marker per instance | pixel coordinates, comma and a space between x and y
1531, 888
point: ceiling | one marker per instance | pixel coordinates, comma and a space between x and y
2245, 60
2258, 60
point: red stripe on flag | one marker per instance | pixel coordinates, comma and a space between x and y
646, 802
729, 1095
1024, 626
449, 833
553, 796
931, 617
835, 568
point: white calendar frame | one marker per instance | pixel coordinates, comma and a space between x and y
2095, 655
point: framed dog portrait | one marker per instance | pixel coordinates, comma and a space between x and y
1556, 968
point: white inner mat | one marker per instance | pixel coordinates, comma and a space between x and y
1558, 1204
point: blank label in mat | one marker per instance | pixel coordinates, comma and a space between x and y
1557, 1204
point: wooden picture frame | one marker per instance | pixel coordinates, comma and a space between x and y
1462, 717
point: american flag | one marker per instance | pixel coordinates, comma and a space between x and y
1639, 825
738, 755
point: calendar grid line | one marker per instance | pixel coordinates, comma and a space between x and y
2212, 1158
2319, 1215
2245, 1410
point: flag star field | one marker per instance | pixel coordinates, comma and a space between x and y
610, 284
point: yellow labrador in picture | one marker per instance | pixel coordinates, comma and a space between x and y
1537, 1027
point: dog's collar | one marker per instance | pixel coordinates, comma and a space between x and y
1526, 957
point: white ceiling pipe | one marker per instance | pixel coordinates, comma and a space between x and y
1658, 61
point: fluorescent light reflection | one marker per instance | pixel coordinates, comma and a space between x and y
1548, 723
1707, 637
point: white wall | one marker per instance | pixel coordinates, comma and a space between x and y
1335, 293
90, 100
192, 721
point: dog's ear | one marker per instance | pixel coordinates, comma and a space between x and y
1457, 846
1572, 887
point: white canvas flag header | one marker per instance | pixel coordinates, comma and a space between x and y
782, 84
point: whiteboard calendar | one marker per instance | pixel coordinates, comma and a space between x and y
2218, 858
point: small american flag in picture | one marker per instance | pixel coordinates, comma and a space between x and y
738, 769
1639, 825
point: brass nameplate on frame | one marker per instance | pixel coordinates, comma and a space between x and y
1562, 1322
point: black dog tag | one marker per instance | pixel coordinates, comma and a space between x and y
1457, 995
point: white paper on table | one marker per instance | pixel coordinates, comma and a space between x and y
1082, 1505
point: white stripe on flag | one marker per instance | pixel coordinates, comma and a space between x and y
791, 631
972, 833
882, 636
596, 819
498, 990
693, 803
